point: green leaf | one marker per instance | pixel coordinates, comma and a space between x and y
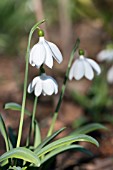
15, 106
17, 168
88, 128
66, 141
63, 149
48, 139
21, 153
37, 135
4, 134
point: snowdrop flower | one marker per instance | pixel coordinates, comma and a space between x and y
43, 84
43, 52
106, 54
83, 67
110, 75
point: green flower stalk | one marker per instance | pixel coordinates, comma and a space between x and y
25, 83
55, 115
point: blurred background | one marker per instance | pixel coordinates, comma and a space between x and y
84, 101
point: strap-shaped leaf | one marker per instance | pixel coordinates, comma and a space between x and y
63, 149
4, 134
37, 135
48, 139
66, 141
15, 106
88, 128
21, 153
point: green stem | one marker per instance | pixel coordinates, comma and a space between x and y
25, 83
31, 129
55, 115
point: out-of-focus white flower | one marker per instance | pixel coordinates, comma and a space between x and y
110, 75
43, 53
106, 54
43, 84
84, 67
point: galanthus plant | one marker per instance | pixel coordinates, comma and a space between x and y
107, 55
41, 152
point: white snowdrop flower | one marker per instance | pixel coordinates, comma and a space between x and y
110, 75
43, 52
43, 84
106, 54
83, 67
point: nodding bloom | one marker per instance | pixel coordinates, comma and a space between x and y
83, 67
43, 84
43, 52
107, 55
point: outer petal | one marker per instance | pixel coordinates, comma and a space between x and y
110, 75
77, 70
32, 84
55, 51
105, 55
38, 88
71, 73
30, 89
31, 52
55, 84
49, 58
89, 74
37, 55
48, 87
95, 66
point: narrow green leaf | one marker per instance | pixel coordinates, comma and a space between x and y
48, 139
21, 153
63, 149
37, 135
66, 141
15, 106
4, 134
88, 128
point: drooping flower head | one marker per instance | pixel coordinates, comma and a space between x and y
43, 84
43, 52
83, 67
106, 54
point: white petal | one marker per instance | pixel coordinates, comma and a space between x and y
54, 83
37, 55
56, 52
38, 89
32, 84
110, 75
30, 57
48, 86
95, 66
71, 72
30, 89
49, 58
77, 70
89, 74
105, 55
